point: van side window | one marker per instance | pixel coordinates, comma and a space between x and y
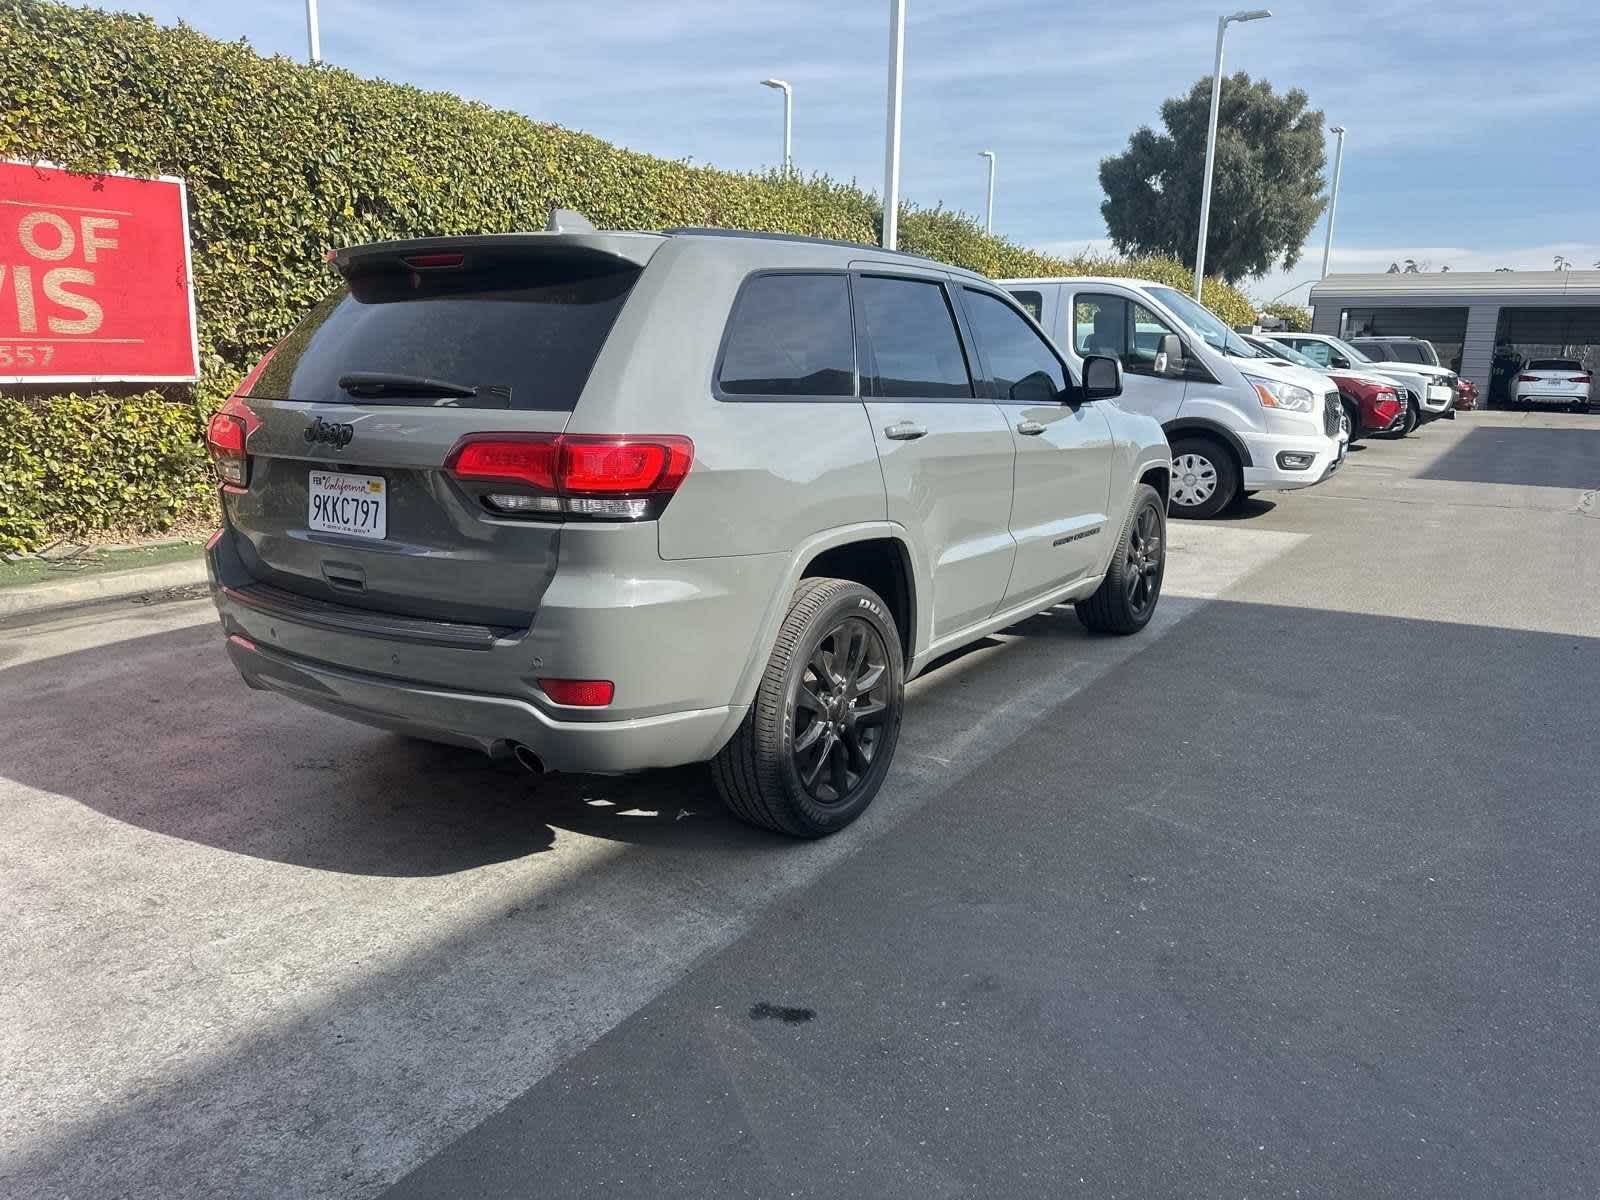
1023, 367
789, 335
1100, 324
910, 341
1148, 330
1032, 303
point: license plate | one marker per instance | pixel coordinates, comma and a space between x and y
349, 504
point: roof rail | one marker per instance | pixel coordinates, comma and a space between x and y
709, 231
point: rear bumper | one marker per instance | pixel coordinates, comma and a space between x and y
491, 723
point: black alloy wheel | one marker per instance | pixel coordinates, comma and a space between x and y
840, 707
1144, 554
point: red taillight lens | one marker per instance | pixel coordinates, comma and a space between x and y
604, 466
579, 693
582, 475
529, 461
1528, 379
225, 438
1579, 379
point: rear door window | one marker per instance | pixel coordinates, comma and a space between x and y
909, 337
1033, 302
1021, 365
520, 332
789, 335
1406, 352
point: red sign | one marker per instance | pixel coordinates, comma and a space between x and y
94, 278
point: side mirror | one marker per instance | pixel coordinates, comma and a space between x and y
1340, 362
1102, 377
1169, 357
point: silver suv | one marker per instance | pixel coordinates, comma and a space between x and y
613, 501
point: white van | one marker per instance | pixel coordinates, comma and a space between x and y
1237, 423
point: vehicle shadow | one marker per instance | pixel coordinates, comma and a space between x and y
158, 732
1247, 508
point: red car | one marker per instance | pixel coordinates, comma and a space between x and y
1466, 394
1372, 404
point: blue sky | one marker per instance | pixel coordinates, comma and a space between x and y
1473, 126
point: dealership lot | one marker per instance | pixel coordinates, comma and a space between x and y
1294, 892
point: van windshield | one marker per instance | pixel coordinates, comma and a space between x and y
1205, 323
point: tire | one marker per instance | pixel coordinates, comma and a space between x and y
1126, 599
1413, 419
807, 717
1199, 463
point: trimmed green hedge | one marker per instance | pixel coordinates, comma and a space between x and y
284, 161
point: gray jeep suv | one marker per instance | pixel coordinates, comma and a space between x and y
612, 501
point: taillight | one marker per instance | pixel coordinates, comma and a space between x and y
225, 438
230, 428
1579, 379
579, 693
1529, 379
621, 478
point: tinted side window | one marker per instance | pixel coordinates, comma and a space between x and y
1033, 302
1100, 324
911, 340
1406, 352
1022, 366
1374, 350
789, 335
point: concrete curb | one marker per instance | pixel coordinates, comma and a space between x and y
109, 585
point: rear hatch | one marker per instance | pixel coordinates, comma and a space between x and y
352, 417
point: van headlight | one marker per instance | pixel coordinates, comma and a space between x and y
1283, 396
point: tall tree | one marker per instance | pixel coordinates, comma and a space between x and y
1266, 193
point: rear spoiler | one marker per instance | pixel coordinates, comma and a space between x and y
618, 249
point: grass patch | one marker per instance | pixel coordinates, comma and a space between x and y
94, 561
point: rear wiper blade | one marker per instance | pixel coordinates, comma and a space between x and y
378, 383
381, 387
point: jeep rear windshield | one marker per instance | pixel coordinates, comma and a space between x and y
518, 332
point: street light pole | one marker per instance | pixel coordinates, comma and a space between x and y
788, 118
313, 37
891, 156
1333, 199
1255, 14
988, 211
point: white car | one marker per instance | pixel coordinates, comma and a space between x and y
1552, 381
1433, 389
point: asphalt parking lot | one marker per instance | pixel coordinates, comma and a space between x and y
1295, 894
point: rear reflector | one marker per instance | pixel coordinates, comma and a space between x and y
626, 478
579, 693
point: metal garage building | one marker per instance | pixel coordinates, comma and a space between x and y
1491, 320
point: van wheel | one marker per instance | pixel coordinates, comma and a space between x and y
815, 746
1126, 599
1205, 477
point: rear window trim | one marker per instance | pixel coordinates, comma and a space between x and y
749, 279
